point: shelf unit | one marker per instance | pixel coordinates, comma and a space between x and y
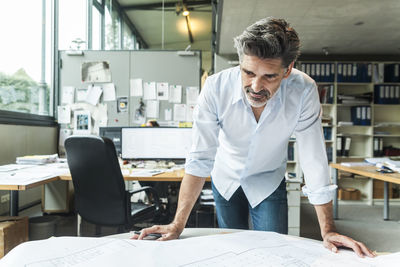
384, 118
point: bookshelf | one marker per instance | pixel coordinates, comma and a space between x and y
360, 114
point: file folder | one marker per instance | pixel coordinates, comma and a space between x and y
339, 146
347, 146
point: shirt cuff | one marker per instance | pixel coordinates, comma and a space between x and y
200, 168
321, 196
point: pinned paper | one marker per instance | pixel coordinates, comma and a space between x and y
180, 112
136, 87
162, 91
149, 89
82, 122
96, 72
189, 112
64, 133
175, 94
81, 94
122, 104
109, 92
152, 109
93, 95
192, 93
100, 116
168, 114
68, 93
64, 114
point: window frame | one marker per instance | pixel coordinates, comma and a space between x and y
30, 119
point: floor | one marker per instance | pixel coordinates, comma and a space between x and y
361, 222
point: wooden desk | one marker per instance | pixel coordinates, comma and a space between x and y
367, 171
14, 200
175, 176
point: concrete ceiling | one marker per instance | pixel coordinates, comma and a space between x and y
320, 23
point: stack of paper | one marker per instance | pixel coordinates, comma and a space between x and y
385, 164
37, 159
145, 172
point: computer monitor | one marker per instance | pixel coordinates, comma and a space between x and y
113, 133
163, 143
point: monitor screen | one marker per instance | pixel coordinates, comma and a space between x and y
156, 142
113, 133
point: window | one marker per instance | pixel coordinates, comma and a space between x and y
72, 24
128, 39
112, 27
96, 29
23, 87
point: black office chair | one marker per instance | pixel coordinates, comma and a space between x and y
100, 195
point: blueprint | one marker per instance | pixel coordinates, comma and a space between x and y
247, 248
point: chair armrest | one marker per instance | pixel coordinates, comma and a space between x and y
148, 189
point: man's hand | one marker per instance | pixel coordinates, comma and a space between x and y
168, 232
188, 193
334, 240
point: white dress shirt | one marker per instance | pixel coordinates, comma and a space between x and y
229, 144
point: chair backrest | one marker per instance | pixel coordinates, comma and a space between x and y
100, 195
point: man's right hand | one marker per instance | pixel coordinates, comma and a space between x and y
188, 193
168, 232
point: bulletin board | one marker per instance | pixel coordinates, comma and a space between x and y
126, 68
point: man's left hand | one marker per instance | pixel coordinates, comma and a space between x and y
333, 241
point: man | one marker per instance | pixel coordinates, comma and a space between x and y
242, 125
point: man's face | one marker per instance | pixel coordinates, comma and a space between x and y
261, 78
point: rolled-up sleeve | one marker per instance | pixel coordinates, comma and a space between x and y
312, 151
200, 160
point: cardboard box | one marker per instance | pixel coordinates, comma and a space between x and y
379, 189
349, 194
13, 231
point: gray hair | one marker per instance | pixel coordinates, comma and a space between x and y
269, 38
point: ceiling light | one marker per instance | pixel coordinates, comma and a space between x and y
185, 11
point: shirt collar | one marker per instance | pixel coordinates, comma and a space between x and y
237, 90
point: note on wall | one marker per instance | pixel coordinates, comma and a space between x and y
67, 96
152, 109
64, 114
149, 91
82, 122
162, 91
64, 133
109, 92
136, 86
189, 112
180, 112
99, 116
168, 114
93, 95
122, 104
81, 94
96, 72
192, 93
175, 94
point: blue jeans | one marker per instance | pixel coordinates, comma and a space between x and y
270, 215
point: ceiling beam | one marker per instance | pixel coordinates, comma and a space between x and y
154, 6
189, 30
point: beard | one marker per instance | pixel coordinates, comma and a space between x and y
262, 97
